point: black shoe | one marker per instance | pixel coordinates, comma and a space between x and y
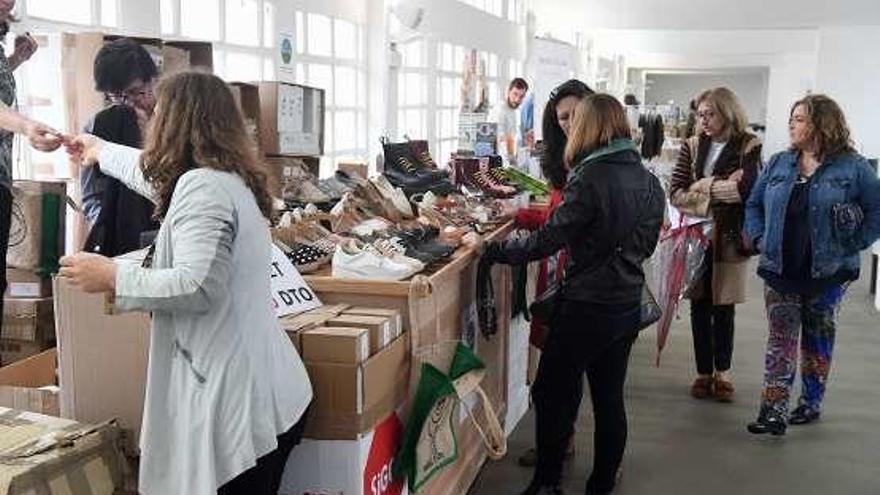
803, 415
768, 422
537, 489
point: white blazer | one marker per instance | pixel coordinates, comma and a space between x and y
223, 379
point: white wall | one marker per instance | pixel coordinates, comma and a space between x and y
749, 85
849, 72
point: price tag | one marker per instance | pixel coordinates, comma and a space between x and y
290, 294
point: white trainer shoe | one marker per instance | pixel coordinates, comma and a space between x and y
355, 260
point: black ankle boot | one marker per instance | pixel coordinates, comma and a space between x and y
768, 422
803, 415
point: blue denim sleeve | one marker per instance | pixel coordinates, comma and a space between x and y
754, 221
869, 193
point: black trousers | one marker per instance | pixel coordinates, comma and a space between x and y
265, 477
712, 326
5, 225
591, 340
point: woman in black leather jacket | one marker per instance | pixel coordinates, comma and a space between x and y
609, 222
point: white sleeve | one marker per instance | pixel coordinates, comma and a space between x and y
203, 227
124, 164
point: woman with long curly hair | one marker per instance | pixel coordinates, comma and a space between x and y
226, 391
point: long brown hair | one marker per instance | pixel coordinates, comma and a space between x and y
726, 103
828, 130
598, 120
197, 125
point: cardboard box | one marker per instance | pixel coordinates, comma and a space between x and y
351, 399
349, 467
295, 325
392, 314
379, 327
27, 284
102, 359
12, 351
336, 345
247, 97
31, 384
354, 168
37, 234
28, 319
292, 118
54, 456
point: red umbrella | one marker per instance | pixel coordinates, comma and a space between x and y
678, 263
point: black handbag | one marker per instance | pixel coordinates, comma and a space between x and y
546, 306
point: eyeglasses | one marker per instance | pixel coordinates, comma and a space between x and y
706, 115
129, 95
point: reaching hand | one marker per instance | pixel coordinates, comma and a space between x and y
84, 149
25, 47
43, 137
90, 272
736, 176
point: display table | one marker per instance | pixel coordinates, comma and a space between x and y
437, 309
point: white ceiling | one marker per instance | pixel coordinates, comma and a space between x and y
704, 14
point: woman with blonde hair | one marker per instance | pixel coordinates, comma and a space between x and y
814, 208
226, 390
609, 222
712, 178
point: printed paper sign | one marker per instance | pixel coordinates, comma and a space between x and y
290, 294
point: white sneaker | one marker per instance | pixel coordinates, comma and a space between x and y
353, 260
396, 195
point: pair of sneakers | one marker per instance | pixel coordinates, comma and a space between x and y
357, 260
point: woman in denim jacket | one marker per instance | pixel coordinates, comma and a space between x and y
813, 209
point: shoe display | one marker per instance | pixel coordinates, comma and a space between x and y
403, 170
355, 260
803, 415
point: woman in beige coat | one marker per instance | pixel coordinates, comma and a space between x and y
712, 178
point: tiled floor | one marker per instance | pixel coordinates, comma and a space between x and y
678, 445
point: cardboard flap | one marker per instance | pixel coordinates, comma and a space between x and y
33, 372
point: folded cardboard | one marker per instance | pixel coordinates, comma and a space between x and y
392, 314
54, 456
15, 350
27, 284
351, 399
31, 384
28, 319
102, 359
37, 234
379, 327
336, 345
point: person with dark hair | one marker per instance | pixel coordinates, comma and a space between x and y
630, 100
119, 217
814, 208
505, 116
609, 223
41, 136
555, 128
226, 391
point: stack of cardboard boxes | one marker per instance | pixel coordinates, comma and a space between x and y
358, 362
36, 243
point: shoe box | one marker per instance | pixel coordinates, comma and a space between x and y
292, 116
27, 284
350, 398
31, 384
296, 325
392, 315
28, 328
381, 329
37, 231
344, 345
